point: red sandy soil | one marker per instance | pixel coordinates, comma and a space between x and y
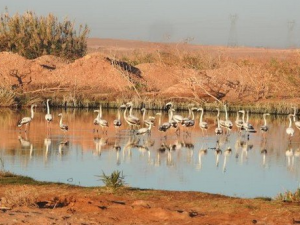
62, 204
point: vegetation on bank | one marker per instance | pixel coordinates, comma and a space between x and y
32, 36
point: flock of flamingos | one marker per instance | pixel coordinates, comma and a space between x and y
174, 122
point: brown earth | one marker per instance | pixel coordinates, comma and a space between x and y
62, 204
237, 75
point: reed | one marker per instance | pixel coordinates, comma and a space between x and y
289, 196
7, 97
32, 36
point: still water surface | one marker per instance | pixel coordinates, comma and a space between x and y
81, 154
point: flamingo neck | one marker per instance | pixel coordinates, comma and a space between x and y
226, 115
243, 117
60, 121
144, 113
295, 111
247, 120
119, 115
265, 120
218, 119
100, 112
125, 117
32, 112
170, 115
201, 116
237, 116
190, 113
130, 111
150, 126
290, 125
48, 108
159, 120
193, 116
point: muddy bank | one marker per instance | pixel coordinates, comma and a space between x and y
38, 202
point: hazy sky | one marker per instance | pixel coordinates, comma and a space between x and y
259, 23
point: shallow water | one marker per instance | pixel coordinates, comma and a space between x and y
81, 154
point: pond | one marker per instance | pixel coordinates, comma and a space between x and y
261, 165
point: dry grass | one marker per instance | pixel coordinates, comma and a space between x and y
25, 196
7, 97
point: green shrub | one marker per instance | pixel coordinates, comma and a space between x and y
115, 180
32, 36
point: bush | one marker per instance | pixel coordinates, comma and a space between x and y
32, 36
115, 180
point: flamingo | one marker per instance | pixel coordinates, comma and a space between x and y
48, 116
102, 122
176, 118
218, 130
131, 121
290, 131
132, 117
297, 123
203, 125
144, 130
246, 125
26, 120
239, 122
117, 122
62, 126
227, 123
149, 120
264, 128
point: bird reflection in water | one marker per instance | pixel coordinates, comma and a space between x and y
61, 147
227, 153
25, 143
47, 143
289, 153
263, 151
99, 143
202, 152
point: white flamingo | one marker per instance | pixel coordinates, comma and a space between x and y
297, 123
264, 128
117, 122
62, 126
26, 120
102, 122
131, 121
218, 130
290, 131
202, 124
48, 116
